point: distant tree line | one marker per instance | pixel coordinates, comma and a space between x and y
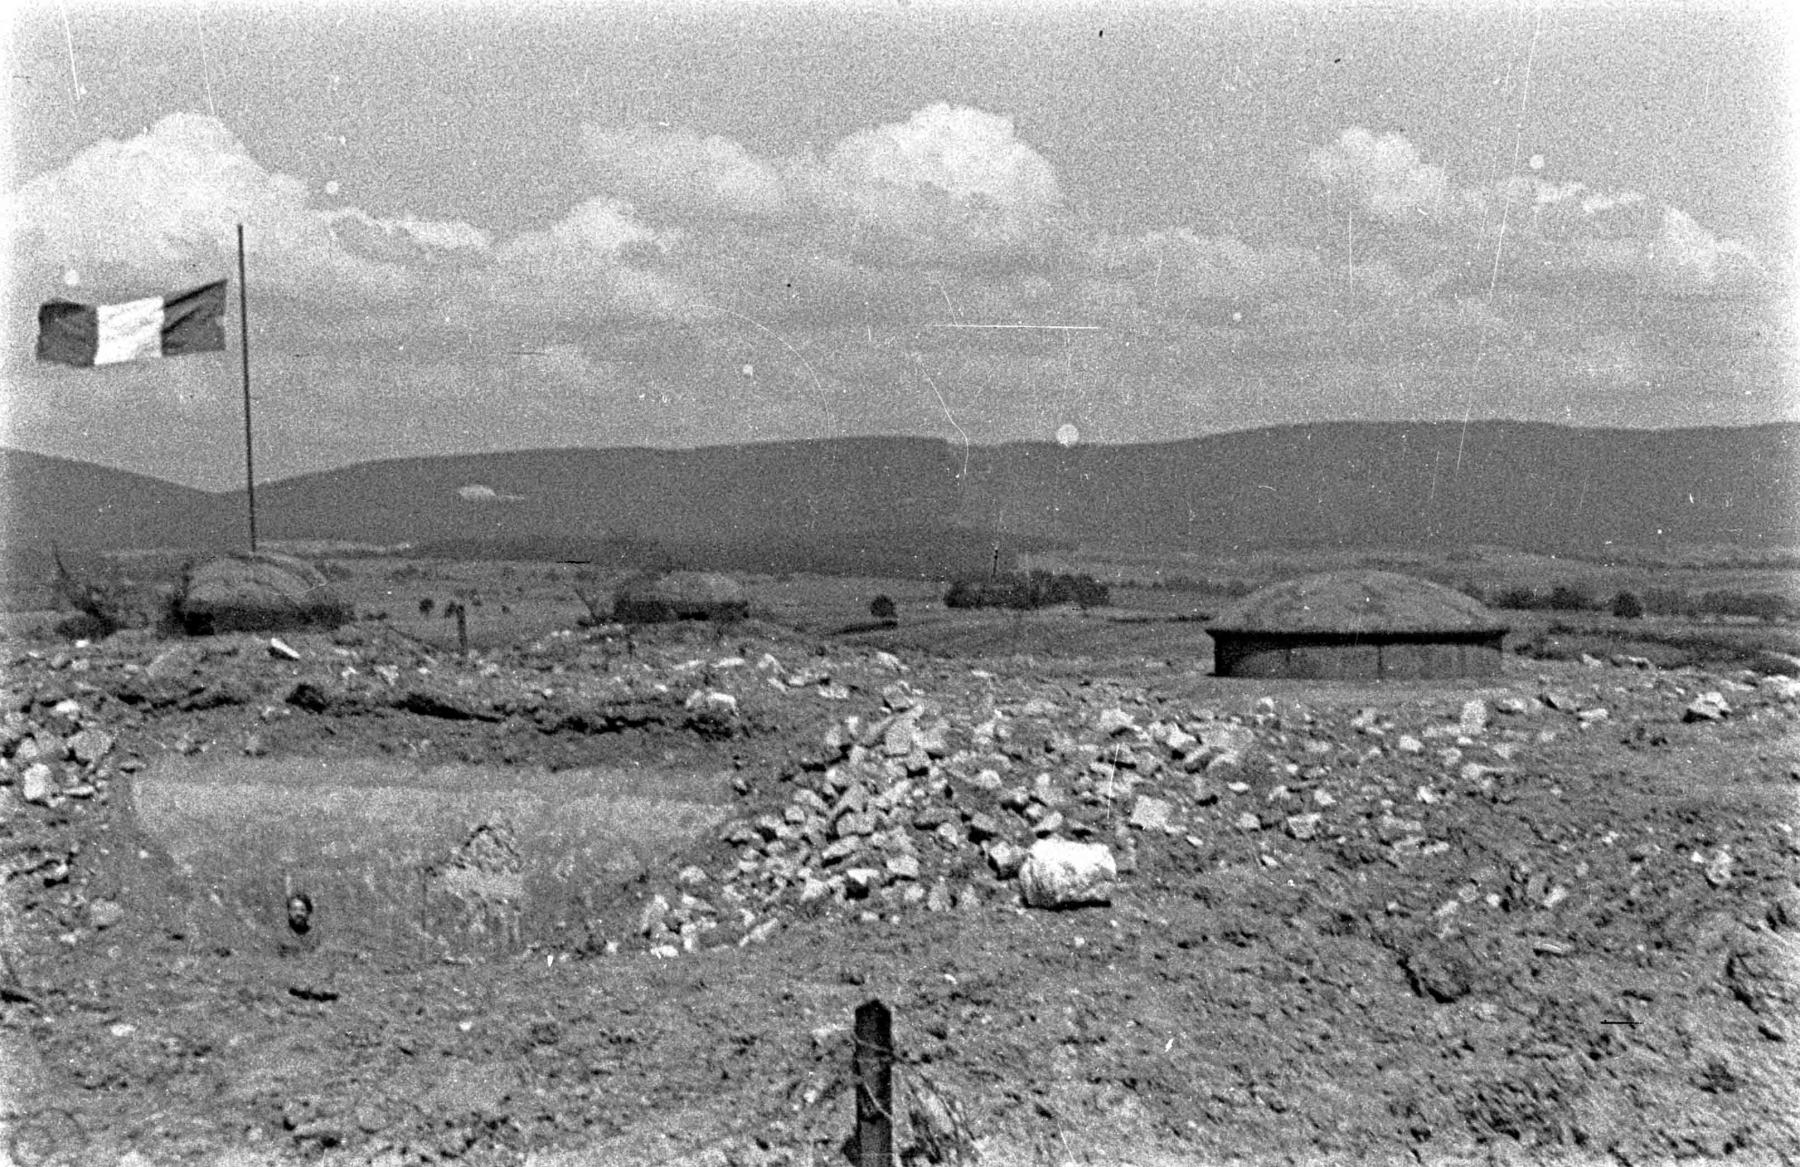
1036, 589
1629, 604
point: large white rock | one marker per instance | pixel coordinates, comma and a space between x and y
35, 785
1709, 706
1151, 814
1061, 874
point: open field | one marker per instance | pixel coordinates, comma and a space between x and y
591, 895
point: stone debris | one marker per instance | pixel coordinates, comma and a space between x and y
35, 784
90, 746
1151, 814
1303, 826
1059, 873
1779, 687
1117, 723
1006, 858
1709, 706
1718, 868
104, 914
1222, 744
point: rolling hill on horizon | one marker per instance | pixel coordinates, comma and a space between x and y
1532, 486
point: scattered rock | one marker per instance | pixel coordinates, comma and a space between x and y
1758, 973
1005, 858
1062, 874
1474, 717
654, 917
1116, 723
1179, 742
982, 826
1710, 706
1151, 814
1222, 744
35, 784
859, 882
104, 913
1303, 826
1718, 868
90, 745
1784, 911
1439, 972
720, 704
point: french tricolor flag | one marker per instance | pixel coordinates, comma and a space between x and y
86, 335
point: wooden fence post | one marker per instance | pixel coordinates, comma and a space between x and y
462, 628
872, 1066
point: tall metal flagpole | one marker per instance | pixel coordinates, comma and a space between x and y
244, 348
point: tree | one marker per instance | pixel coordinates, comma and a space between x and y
882, 608
1628, 606
426, 605
1569, 597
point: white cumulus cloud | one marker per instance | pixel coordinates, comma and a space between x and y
968, 154
949, 183
598, 260
683, 171
165, 205
1562, 229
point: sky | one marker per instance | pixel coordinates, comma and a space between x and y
479, 226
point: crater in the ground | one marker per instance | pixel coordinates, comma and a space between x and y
413, 861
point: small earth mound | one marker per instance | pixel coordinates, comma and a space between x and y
680, 595
257, 592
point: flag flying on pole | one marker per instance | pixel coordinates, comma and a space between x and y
108, 334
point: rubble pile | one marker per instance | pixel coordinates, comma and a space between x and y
58, 759
936, 808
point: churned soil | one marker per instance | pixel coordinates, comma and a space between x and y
1551, 918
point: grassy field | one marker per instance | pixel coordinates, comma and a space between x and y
1159, 601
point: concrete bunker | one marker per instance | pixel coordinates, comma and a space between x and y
680, 595
1357, 625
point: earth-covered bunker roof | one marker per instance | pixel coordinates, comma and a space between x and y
1357, 602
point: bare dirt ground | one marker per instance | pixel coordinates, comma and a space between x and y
1550, 918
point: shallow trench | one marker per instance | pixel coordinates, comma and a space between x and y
407, 862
